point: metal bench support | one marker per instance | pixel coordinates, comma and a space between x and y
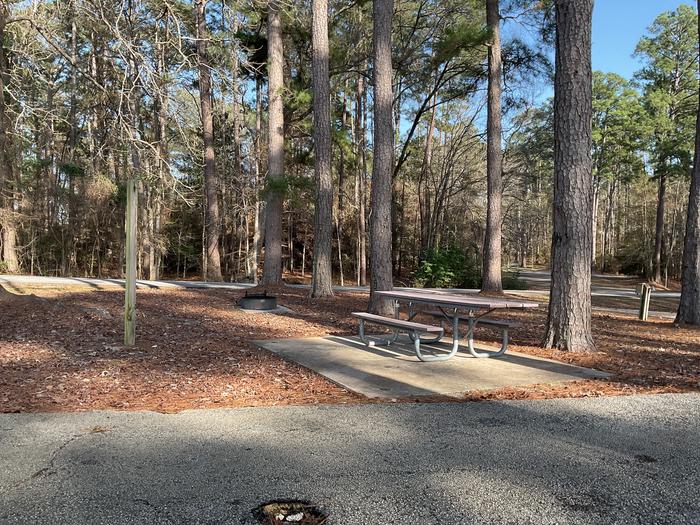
379, 341
414, 335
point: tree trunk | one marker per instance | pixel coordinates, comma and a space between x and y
73, 121
594, 220
236, 182
607, 224
383, 166
272, 268
73, 201
321, 278
689, 307
160, 125
569, 321
236, 104
491, 274
212, 223
424, 200
659, 235
254, 253
7, 217
9, 244
361, 190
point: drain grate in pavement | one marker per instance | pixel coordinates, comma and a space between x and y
290, 512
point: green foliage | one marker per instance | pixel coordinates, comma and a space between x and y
538, 14
453, 268
621, 127
534, 141
289, 186
71, 169
670, 83
511, 281
298, 98
633, 259
523, 64
461, 36
254, 44
119, 196
34, 166
447, 268
32, 172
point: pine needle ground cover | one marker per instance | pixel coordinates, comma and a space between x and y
60, 350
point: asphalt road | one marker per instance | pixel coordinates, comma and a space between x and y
587, 461
538, 280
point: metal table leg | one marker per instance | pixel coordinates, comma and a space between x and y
412, 335
470, 341
444, 357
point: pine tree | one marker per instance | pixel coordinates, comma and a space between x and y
569, 321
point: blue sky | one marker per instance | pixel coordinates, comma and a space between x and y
617, 27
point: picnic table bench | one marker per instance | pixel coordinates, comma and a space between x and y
415, 330
450, 307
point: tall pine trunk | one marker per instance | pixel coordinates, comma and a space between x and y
689, 307
569, 322
491, 274
162, 172
594, 221
212, 223
7, 218
254, 253
361, 179
659, 230
383, 166
321, 279
272, 268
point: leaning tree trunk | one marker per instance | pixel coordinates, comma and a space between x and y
569, 322
321, 279
212, 223
689, 307
491, 274
272, 267
383, 165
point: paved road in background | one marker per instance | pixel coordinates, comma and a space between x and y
601, 285
35, 280
583, 461
538, 280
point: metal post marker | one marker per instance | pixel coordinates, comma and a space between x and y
644, 291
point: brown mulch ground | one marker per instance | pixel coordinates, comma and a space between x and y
60, 350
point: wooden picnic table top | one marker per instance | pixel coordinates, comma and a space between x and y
454, 300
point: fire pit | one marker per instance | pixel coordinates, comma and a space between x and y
290, 512
258, 301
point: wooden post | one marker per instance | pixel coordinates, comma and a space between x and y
130, 285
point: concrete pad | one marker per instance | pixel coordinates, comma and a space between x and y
396, 372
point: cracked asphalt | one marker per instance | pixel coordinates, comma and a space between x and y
584, 461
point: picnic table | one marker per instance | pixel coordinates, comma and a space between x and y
449, 307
